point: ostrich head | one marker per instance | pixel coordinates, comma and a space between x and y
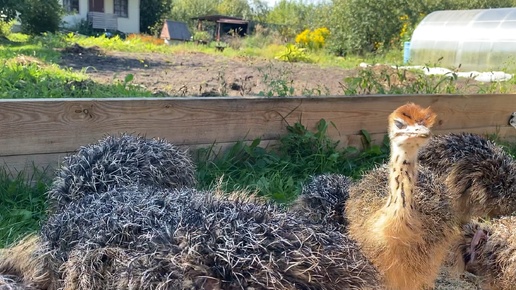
409, 126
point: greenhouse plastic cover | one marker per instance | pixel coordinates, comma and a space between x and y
480, 39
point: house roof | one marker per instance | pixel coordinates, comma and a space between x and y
221, 19
175, 30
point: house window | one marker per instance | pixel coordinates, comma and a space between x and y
121, 8
71, 6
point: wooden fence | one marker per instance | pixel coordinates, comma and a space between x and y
42, 131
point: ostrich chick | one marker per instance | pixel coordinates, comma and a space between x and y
480, 175
399, 214
488, 250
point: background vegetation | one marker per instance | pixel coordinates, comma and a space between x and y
355, 26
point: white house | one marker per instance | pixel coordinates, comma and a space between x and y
123, 15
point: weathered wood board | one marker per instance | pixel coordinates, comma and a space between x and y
41, 131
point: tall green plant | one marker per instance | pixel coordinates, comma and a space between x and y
278, 172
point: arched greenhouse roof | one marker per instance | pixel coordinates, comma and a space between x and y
481, 39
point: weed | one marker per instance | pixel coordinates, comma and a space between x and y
278, 171
320, 90
23, 202
278, 81
293, 53
388, 80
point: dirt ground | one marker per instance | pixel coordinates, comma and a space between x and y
199, 74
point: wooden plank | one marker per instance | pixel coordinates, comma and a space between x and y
100, 20
51, 161
54, 126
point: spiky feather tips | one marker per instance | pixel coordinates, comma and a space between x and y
119, 160
480, 175
492, 256
323, 199
225, 240
22, 268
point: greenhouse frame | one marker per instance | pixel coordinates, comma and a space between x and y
480, 39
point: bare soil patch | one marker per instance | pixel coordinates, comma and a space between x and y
199, 74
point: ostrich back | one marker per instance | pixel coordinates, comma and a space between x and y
480, 175
186, 239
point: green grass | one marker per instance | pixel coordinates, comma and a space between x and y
279, 171
43, 78
23, 203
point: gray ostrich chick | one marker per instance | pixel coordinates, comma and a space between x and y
323, 199
119, 160
155, 238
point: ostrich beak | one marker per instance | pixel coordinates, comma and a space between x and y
415, 131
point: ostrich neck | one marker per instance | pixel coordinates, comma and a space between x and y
402, 177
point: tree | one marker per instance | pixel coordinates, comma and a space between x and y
362, 26
184, 10
259, 10
38, 16
152, 14
236, 8
8, 9
290, 16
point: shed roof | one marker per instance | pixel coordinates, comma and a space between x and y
221, 19
175, 30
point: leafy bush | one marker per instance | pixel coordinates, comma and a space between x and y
279, 172
363, 26
314, 40
5, 27
201, 36
38, 16
293, 53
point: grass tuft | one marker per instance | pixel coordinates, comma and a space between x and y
23, 203
279, 171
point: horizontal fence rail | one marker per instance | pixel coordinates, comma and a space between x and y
41, 131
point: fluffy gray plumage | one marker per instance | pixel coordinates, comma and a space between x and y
119, 160
323, 199
481, 177
186, 239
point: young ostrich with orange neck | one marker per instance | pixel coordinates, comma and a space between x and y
399, 214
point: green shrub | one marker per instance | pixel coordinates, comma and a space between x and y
5, 28
363, 26
293, 53
38, 16
201, 36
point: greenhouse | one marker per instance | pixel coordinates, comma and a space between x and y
481, 39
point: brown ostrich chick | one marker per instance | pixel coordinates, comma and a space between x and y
400, 215
488, 250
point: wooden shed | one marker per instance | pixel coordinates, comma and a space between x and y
224, 24
175, 31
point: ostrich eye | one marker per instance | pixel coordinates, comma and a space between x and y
399, 124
